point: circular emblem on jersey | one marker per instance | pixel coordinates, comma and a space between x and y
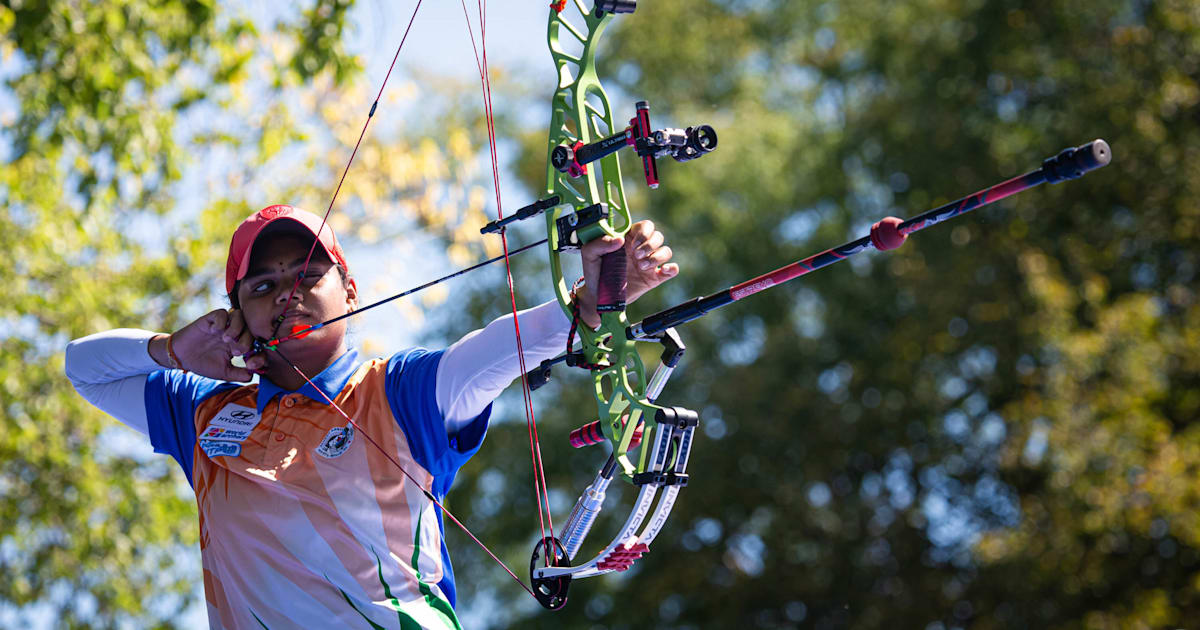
336, 442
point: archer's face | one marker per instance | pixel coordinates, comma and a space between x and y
275, 263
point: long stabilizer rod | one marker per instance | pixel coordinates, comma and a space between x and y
887, 234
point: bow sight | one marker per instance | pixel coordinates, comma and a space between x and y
686, 144
681, 144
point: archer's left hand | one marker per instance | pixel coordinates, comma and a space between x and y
647, 265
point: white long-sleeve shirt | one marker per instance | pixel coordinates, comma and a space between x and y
295, 505
109, 369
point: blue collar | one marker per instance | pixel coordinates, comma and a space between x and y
331, 380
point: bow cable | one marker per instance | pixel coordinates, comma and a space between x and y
541, 490
345, 171
304, 270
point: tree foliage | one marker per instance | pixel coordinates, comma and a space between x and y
993, 426
135, 134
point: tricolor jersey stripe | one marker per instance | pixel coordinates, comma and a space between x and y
302, 522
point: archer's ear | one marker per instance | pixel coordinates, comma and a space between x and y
351, 293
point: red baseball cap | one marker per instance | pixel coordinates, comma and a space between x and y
246, 233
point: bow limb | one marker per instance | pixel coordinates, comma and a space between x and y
592, 205
581, 114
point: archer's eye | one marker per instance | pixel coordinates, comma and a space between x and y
312, 276
261, 287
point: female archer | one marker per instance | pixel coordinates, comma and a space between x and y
303, 524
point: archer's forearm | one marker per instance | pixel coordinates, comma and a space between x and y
474, 370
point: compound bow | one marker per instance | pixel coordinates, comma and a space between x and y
584, 200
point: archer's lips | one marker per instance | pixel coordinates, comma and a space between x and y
294, 317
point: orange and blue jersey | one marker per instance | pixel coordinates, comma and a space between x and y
302, 523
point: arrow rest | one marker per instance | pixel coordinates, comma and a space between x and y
581, 226
615, 6
673, 350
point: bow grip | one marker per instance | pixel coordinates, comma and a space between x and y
610, 294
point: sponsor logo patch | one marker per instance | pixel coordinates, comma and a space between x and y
220, 448
233, 416
224, 433
227, 430
336, 442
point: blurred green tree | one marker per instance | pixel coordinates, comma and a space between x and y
990, 427
93, 155
134, 137
993, 426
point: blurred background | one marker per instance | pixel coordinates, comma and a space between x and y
994, 426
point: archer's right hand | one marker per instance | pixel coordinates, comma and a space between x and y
207, 345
